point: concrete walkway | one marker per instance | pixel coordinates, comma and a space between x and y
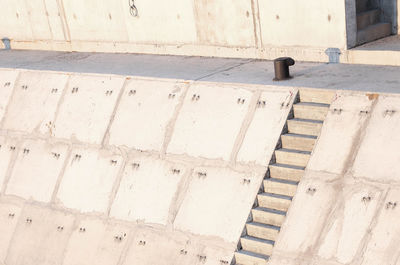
314, 75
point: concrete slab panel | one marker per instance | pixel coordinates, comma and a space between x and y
144, 113
7, 152
382, 141
96, 21
36, 170
34, 103
53, 9
301, 229
384, 243
172, 249
147, 190
340, 132
96, 242
266, 127
206, 108
7, 82
200, 212
87, 107
351, 221
216, 255
280, 25
9, 215
40, 237
215, 25
15, 20
38, 17
88, 179
154, 25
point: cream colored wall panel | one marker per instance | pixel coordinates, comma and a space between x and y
225, 22
303, 23
378, 156
210, 121
96, 20
341, 130
385, 238
7, 83
144, 113
34, 103
160, 21
15, 21
8, 150
36, 170
88, 179
87, 107
203, 203
94, 241
9, 215
147, 190
40, 237
265, 129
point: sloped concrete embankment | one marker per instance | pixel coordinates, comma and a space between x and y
100, 169
346, 209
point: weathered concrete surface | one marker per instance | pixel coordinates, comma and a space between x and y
88, 192
147, 190
110, 169
245, 28
346, 204
29, 178
148, 107
86, 108
210, 117
370, 78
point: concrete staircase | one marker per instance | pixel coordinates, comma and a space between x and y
369, 23
285, 171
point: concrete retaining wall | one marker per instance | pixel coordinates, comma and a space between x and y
101, 169
244, 28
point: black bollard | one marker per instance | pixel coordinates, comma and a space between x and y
281, 66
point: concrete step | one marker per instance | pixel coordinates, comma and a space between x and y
298, 141
310, 110
362, 5
268, 216
281, 187
304, 126
244, 257
257, 245
274, 201
263, 231
368, 18
374, 32
292, 157
286, 172
317, 96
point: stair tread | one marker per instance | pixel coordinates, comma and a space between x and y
260, 240
293, 151
287, 166
249, 253
368, 11
274, 227
306, 120
313, 104
300, 135
278, 196
375, 25
284, 181
263, 209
